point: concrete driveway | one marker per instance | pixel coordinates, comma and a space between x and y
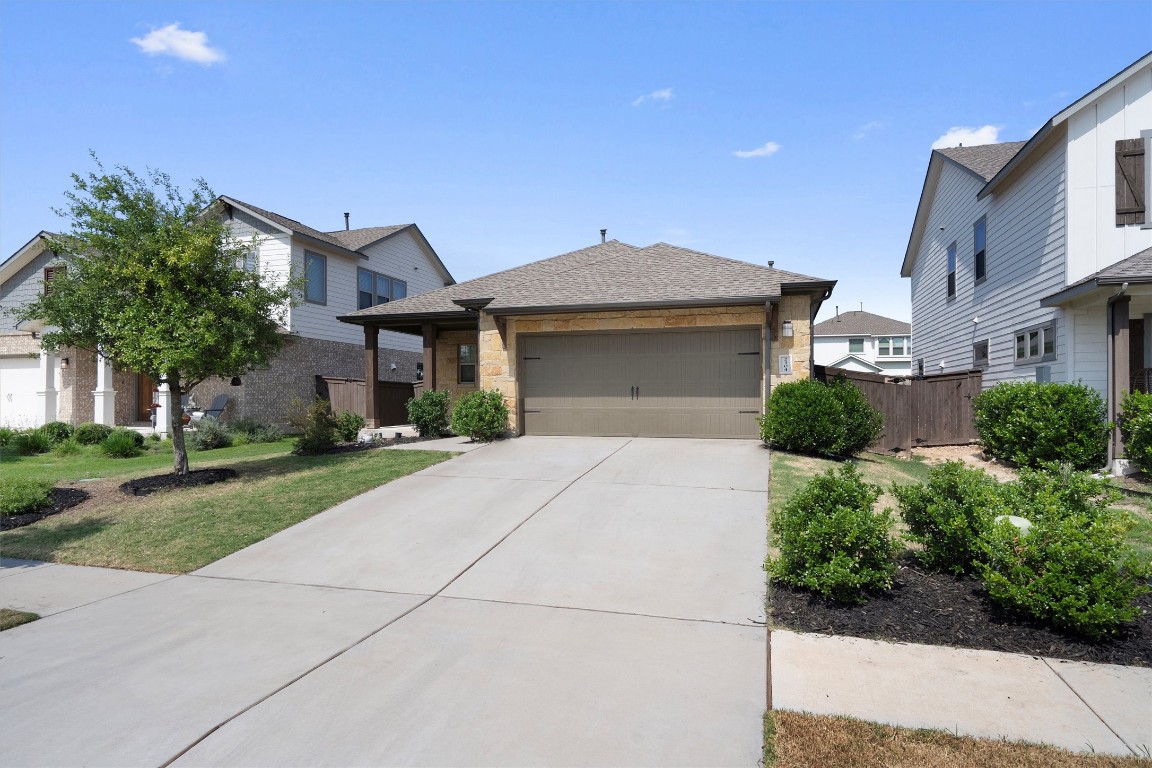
540, 601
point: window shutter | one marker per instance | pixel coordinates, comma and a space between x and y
1130, 182
50, 274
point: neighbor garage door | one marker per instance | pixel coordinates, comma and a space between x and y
698, 383
18, 401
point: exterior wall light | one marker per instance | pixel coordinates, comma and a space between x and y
64, 362
786, 328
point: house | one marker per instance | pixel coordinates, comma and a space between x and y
1030, 260
862, 341
615, 339
344, 270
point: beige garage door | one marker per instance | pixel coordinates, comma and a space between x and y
698, 383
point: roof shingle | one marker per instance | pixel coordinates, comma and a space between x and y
355, 239
984, 160
864, 323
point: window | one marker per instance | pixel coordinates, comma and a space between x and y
1033, 345
315, 278
979, 249
250, 260
419, 371
893, 346
952, 270
980, 354
855, 345
1131, 180
884, 347
466, 367
50, 275
373, 288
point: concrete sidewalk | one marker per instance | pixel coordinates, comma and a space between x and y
1078, 706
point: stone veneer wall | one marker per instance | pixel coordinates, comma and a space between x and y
447, 360
498, 352
269, 395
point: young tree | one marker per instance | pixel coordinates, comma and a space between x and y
154, 281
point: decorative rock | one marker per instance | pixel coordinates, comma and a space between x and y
1023, 524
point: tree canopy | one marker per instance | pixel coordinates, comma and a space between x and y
154, 279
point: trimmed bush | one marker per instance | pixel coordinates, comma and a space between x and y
1031, 423
429, 412
1072, 569
1136, 427
92, 434
348, 426
7, 435
122, 444
32, 442
210, 434
949, 513
256, 431
831, 541
481, 415
69, 447
58, 431
20, 494
319, 430
807, 416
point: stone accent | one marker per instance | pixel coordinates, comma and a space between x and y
447, 362
19, 345
799, 345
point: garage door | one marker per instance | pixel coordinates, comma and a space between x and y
699, 383
18, 401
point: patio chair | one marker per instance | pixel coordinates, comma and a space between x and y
219, 403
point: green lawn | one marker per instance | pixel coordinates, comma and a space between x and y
182, 530
10, 618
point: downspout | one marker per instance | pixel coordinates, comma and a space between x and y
1111, 351
768, 331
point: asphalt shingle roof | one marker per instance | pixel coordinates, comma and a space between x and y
864, 323
603, 275
355, 239
1137, 268
985, 160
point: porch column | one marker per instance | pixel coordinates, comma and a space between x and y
164, 412
371, 356
1121, 369
48, 397
429, 356
104, 396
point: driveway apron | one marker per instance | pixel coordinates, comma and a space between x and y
540, 601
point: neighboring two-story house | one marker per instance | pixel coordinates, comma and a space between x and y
1033, 260
344, 270
862, 341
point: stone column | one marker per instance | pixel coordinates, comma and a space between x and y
371, 375
164, 412
48, 397
104, 396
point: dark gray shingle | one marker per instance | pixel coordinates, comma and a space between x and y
985, 160
863, 323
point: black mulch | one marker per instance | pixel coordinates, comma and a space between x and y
937, 609
146, 485
62, 499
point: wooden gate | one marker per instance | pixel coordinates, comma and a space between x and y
934, 410
348, 395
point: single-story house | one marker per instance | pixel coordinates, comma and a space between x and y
615, 339
866, 342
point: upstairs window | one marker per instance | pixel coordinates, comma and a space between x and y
894, 346
250, 261
979, 249
855, 346
1130, 182
373, 288
952, 270
50, 275
315, 278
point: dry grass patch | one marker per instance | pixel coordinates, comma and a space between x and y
801, 740
12, 618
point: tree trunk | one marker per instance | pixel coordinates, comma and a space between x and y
179, 452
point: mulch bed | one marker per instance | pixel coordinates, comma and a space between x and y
144, 486
938, 609
62, 499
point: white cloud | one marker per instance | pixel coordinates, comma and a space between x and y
766, 150
969, 137
664, 95
867, 128
179, 43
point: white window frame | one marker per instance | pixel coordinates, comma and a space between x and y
982, 362
1044, 332
860, 340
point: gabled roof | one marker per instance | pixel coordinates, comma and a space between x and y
1137, 268
861, 361
604, 276
25, 254
349, 242
861, 323
984, 160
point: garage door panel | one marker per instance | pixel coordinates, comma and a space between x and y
702, 383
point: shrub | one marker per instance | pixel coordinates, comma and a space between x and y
32, 442
210, 434
949, 513
7, 435
831, 541
92, 434
1031, 423
19, 495
122, 444
1136, 427
255, 431
429, 412
481, 415
319, 430
348, 426
807, 416
69, 447
57, 431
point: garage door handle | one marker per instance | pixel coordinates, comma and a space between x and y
633, 391
637, 393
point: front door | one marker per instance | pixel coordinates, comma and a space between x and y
145, 394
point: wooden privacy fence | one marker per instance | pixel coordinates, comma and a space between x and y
348, 395
934, 410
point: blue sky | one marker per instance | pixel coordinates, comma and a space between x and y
510, 132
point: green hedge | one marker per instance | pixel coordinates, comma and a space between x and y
810, 417
481, 415
1031, 423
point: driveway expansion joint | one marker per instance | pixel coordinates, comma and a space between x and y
1091, 709
752, 623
